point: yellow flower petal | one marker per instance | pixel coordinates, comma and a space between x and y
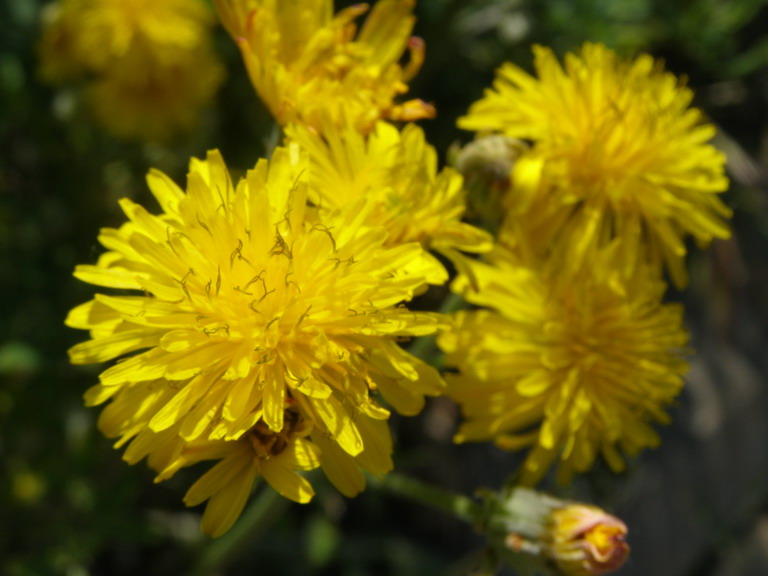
287, 483
225, 507
341, 468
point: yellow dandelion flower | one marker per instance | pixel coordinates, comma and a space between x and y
58, 50
303, 61
161, 104
397, 172
617, 152
249, 302
149, 65
573, 367
102, 34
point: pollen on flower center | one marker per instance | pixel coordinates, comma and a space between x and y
584, 334
615, 148
256, 293
251, 310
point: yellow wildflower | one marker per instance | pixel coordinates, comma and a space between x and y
108, 32
59, 60
164, 102
304, 61
149, 65
249, 303
397, 172
573, 367
617, 153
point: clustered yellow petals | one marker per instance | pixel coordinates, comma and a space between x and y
573, 353
397, 171
257, 323
617, 154
305, 62
571, 367
148, 65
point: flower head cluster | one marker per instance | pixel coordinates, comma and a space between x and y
617, 154
258, 334
304, 61
149, 64
571, 367
397, 172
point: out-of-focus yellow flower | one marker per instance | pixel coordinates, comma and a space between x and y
250, 303
585, 541
617, 153
59, 59
109, 33
305, 62
574, 367
397, 172
162, 103
149, 65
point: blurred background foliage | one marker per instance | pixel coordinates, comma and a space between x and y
69, 505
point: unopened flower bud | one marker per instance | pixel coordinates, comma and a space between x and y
486, 164
585, 540
528, 528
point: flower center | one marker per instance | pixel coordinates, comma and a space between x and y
266, 443
607, 545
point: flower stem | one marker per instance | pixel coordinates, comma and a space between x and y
273, 139
266, 508
454, 504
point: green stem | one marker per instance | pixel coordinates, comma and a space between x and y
273, 139
454, 504
452, 303
265, 509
